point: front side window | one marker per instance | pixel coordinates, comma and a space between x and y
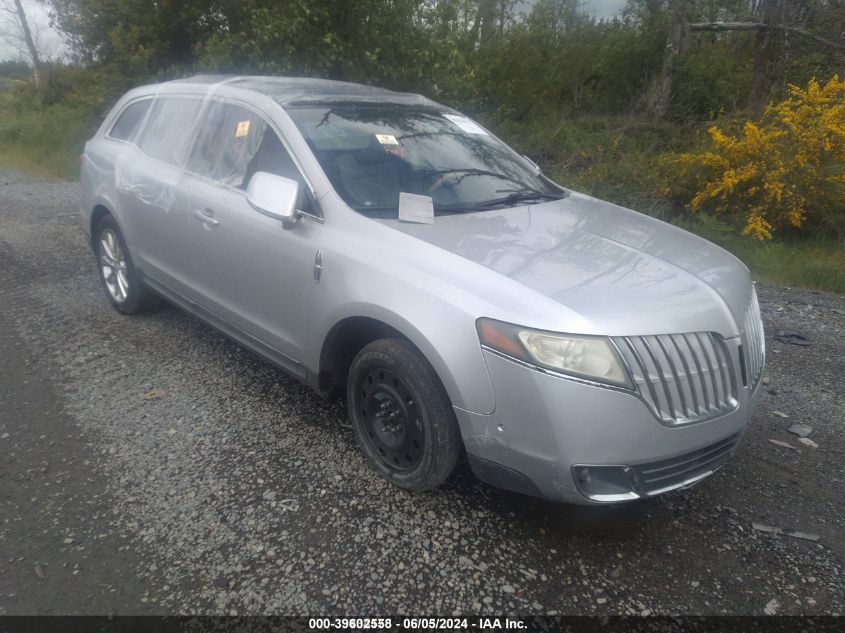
127, 123
372, 153
169, 127
227, 141
233, 143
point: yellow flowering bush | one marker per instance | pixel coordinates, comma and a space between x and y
787, 169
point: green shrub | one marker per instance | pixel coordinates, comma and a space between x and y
43, 129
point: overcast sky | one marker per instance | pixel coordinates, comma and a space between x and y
53, 43
39, 21
604, 8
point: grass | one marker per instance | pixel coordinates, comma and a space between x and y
47, 163
42, 139
806, 262
612, 158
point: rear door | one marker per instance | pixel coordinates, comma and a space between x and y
149, 181
247, 268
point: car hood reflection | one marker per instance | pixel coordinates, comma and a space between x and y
612, 265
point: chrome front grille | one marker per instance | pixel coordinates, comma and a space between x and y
682, 377
753, 342
667, 474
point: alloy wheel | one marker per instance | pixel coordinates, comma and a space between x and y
113, 266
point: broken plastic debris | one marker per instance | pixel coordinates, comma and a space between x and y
785, 445
771, 529
288, 505
801, 430
806, 441
790, 337
780, 414
155, 394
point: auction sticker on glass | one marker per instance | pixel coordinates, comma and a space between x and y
387, 139
467, 125
242, 129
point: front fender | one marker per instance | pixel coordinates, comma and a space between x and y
448, 342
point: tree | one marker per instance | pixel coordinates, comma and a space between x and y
772, 21
141, 36
677, 39
22, 32
775, 21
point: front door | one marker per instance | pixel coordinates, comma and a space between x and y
247, 268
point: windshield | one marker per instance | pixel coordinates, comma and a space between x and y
372, 153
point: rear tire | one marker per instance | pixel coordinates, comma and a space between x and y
121, 281
401, 415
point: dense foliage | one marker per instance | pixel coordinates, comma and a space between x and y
784, 170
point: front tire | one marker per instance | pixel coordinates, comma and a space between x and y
401, 415
118, 275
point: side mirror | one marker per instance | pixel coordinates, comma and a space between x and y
532, 164
274, 196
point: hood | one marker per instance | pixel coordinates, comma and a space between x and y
625, 272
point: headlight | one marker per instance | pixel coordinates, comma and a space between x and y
584, 356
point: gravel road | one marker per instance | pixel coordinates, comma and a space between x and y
238, 490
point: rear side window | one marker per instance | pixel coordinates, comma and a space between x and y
127, 123
169, 128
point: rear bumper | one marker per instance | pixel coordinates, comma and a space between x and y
578, 442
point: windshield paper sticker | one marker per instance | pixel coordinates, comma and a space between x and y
387, 139
242, 129
467, 125
414, 208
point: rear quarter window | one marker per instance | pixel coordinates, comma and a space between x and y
169, 128
127, 122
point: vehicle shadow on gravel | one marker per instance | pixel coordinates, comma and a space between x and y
616, 522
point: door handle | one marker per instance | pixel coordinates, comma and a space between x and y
205, 218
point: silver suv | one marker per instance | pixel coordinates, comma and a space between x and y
380, 246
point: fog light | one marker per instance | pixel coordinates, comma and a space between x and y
605, 483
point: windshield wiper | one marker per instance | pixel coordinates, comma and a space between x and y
522, 195
525, 195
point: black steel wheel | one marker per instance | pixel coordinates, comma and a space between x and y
392, 425
401, 415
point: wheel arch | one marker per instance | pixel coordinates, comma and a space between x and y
349, 334
98, 213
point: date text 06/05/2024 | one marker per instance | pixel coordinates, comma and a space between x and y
460, 624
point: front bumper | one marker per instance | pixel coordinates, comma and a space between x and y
579, 442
